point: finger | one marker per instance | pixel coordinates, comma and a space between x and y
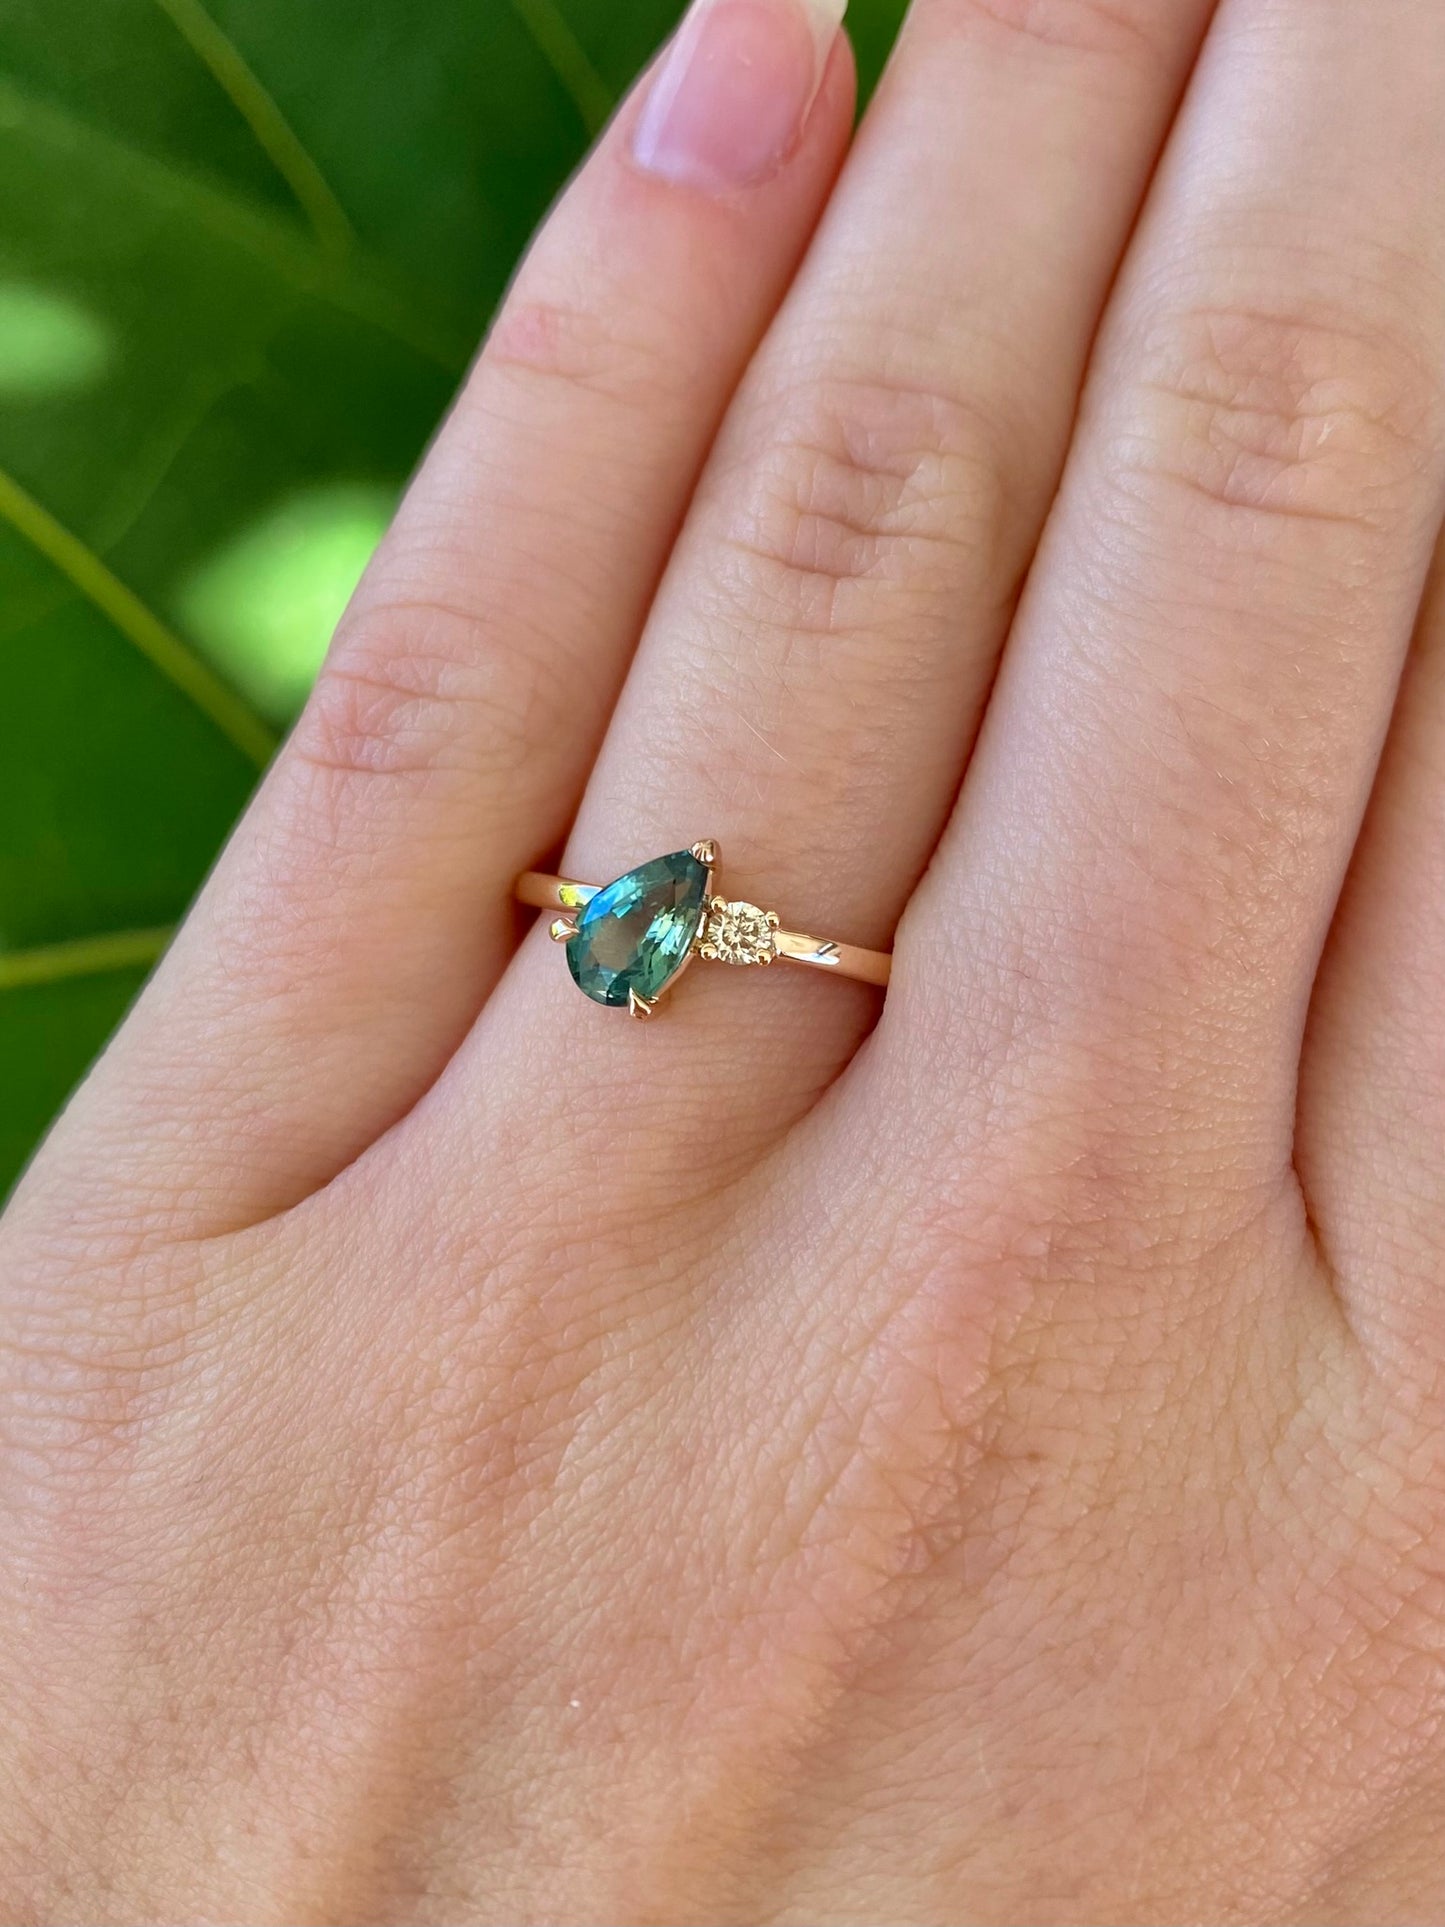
1372, 1097
1156, 825
815, 665
364, 908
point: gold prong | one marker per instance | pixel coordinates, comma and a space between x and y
639, 1006
562, 929
706, 852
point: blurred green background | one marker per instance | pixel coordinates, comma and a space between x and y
247, 248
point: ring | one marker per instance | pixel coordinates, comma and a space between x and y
629, 941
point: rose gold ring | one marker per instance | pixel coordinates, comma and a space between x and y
630, 940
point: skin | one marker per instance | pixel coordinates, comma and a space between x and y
465, 1456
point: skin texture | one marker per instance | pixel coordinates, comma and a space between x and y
468, 1457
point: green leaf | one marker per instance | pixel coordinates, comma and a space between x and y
247, 248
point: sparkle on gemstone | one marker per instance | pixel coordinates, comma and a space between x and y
737, 933
635, 935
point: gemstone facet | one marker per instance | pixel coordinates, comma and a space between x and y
636, 934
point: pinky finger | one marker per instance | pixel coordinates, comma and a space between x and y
363, 910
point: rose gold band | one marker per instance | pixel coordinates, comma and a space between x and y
841, 959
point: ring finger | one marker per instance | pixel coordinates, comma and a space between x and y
817, 660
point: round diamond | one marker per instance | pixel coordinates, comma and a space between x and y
738, 933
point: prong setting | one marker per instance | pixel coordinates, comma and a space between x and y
706, 852
562, 929
639, 1007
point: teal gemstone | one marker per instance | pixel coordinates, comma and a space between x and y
636, 934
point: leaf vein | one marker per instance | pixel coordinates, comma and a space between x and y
275, 239
559, 46
96, 956
159, 644
273, 133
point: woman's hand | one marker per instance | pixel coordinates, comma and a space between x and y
466, 1456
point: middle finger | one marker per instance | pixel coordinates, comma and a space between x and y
1164, 802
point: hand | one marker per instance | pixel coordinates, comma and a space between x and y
466, 1456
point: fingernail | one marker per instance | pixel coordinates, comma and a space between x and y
732, 95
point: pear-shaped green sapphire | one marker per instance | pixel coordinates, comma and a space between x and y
635, 935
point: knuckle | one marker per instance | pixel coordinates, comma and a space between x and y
580, 348
862, 490
1281, 413
415, 689
1108, 28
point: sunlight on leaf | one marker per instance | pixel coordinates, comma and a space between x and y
49, 344
263, 607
